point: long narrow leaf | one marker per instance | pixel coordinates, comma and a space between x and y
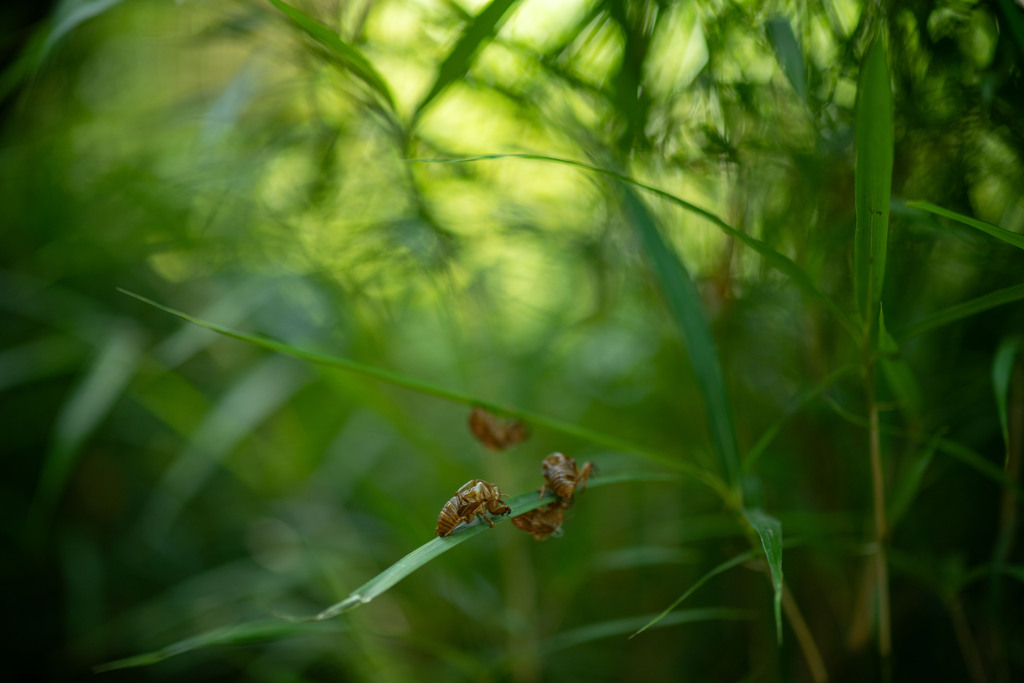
708, 478
457, 63
619, 627
725, 566
873, 179
788, 53
960, 311
769, 530
266, 630
1002, 370
437, 546
778, 261
907, 486
347, 55
1002, 234
685, 305
85, 408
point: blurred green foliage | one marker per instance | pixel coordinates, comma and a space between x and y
264, 166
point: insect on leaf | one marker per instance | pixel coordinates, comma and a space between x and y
872, 180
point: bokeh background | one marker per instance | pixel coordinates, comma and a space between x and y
160, 481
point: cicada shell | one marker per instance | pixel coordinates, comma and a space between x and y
475, 498
543, 521
563, 477
493, 432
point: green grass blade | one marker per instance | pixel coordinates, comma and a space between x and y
685, 305
85, 408
71, 15
788, 54
960, 311
267, 630
873, 180
769, 530
1002, 234
907, 486
1002, 371
753, 454
1015, 22
774, 259
437, 546
708, 478
457, 63
897, 371
725, 566
620, 627
346, 55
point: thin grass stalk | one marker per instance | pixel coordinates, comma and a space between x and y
881, 531
804, 637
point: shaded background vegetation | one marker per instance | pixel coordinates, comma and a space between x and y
159, 481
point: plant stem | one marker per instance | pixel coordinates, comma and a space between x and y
804, 636
881, 530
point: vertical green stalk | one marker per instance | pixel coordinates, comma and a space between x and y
873, 184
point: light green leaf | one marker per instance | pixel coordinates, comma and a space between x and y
873, 180
769, 530
772, 258
1002, 234
347, 55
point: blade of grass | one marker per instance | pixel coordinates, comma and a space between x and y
70, 16
437, 546
345, 54
619, 627
725, 566
1001, 234
708, 478
266, 630
960, 311
753, 454
906, 488
772, 258
897, 371
1002, 370
872, 180
85, 408
788, 54
457, 63
685, 306
769, 530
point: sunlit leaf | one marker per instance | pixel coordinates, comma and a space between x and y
772, 258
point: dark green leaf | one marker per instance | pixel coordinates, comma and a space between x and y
457, 63
769, 530
960, 311
873, 179
347, 55
788, 53
1002, 234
